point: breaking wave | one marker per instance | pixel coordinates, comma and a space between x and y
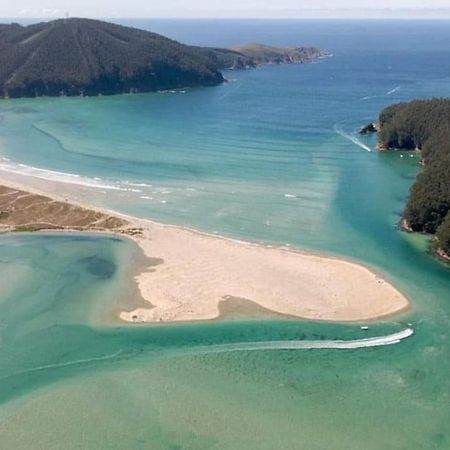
69, 178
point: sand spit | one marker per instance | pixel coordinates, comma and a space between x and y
197, 271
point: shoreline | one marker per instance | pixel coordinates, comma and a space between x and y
197, 272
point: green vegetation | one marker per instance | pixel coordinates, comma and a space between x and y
443, 235
424, 125
91, 57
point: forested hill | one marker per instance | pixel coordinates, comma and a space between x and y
424, 125
82, 56
91, 57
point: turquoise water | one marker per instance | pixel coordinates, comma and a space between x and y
272, 155
70, 379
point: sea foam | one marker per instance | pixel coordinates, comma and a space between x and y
72, 178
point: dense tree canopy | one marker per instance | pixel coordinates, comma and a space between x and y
443, 235
429, 200
424, 124
81, 56
410, 125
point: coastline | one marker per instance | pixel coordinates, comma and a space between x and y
435, 251
442, 256
195, 273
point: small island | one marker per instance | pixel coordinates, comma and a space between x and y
84, 57
423, 126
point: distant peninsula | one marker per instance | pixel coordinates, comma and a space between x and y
259, 54
422, 125
76, 57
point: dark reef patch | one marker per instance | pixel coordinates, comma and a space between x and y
101, 268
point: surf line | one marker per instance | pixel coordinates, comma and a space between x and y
8, 166
378, 341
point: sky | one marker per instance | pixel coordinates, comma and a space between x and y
228, 8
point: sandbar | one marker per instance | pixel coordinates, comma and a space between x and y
197, 271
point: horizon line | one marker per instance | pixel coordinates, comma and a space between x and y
162, 17
280, 14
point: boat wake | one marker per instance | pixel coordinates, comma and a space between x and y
378, 341
64, 364
392, 91
352, 138
230, 91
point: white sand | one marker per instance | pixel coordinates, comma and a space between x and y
201, 270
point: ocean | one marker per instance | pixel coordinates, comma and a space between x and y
272, 156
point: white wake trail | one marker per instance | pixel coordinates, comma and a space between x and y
378, 341
392, 91
370, 97
65, 364
351, 138
230, 91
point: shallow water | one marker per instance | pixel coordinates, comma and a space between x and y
273, 156
72, 378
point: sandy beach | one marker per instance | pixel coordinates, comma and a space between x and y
193, 272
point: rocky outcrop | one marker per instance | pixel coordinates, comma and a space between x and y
372, 127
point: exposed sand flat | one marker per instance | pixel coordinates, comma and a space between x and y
196, 271
199, 271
